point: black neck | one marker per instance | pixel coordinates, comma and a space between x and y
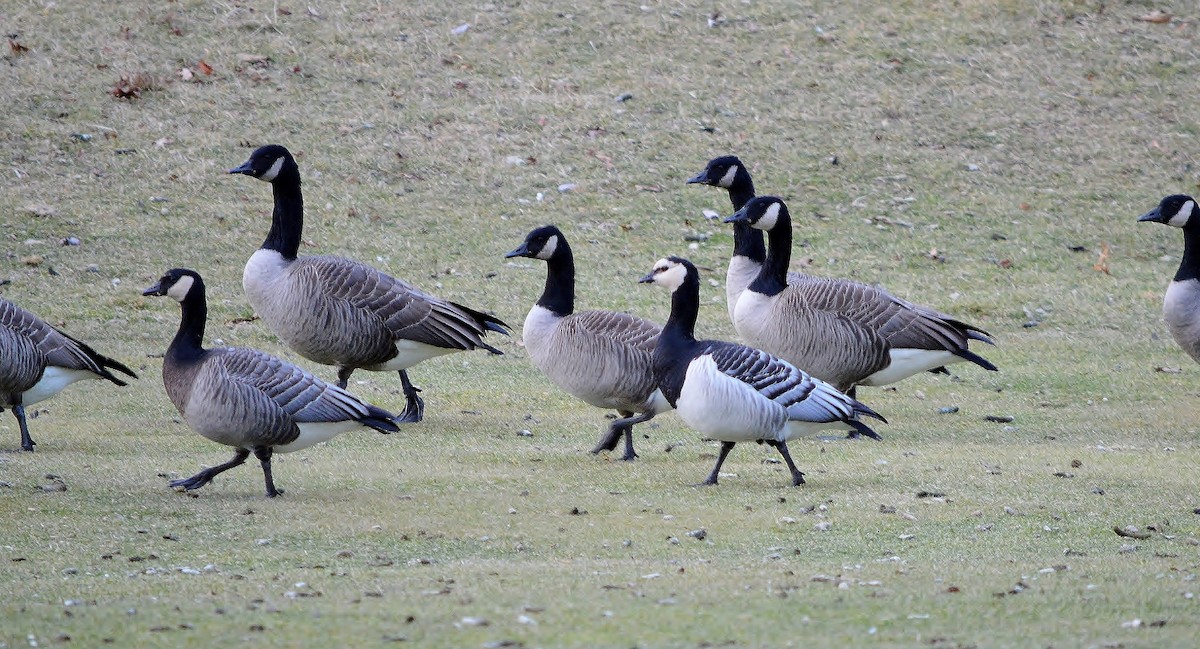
287, 220
685, 308
559, 294
773, 277
188, 341
1189, 268
747, 242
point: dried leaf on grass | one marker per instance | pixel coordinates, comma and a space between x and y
1101, 264
131, 86
1156, 16
16, 48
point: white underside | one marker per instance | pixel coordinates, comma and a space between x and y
907, 362
317, 432
409, 353
54, 379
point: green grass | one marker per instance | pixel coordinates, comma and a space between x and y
999, 131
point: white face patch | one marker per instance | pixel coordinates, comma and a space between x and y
1184, 215
273, 171
179, 289
769, 217
727, 180
547, 250
669, 274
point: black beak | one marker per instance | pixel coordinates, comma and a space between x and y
701, 177
739, 216
1153, 215
647, 279
245, 168
520, 251
155, 290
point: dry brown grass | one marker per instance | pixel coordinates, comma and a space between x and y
1004, 133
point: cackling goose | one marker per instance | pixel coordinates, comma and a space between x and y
248, 399
601, 357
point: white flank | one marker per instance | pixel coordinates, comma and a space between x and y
316, 432
907, 362
725, 408
260, 273
411, 352
54, 379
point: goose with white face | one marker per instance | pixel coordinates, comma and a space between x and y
668, 272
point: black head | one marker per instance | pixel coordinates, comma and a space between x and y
541, 243
762, 212
720, 172
176, 283
1177, 210
268, 163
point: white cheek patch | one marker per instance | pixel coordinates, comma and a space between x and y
273, 171
179, 289
672, 277
1184, 215
769, 218
547, 250
727, 180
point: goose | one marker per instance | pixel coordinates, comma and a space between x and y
902, 324
37, 361
336, 311
735, 393
844, 332
601, 357
249, 399
1181, 304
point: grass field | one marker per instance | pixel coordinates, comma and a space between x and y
986, 158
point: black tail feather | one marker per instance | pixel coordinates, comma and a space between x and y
969, 355
864, 430
380, 420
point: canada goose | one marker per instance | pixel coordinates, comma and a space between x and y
902, 324
734, 393
1181, 304
845, 332
37, 361
336, 311
601, 357
248, 399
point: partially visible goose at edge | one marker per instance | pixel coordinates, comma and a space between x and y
37, 361
600, 357
336, 311
248, 399
844, 332
734, 393
901, 323
1181, 304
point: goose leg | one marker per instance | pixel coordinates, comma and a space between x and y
264, 453
726, 447
26, 441
206, 476
623, 426
797, 475
414, 409
344, 376
852, 393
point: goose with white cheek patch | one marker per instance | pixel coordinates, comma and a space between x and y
601, 357
734, 393
844, 332
901, 323
248, 399
336, 311
1181, 304
37, 361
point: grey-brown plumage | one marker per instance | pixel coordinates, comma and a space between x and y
246, 398
340, 312
37, 361
843, 332
1181, 303
603, 358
